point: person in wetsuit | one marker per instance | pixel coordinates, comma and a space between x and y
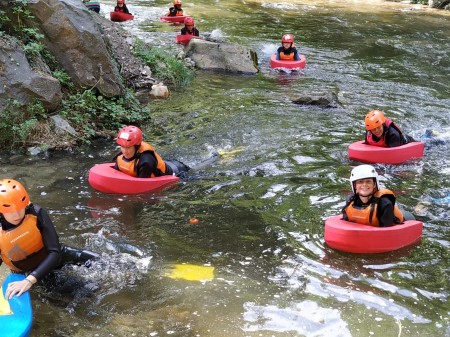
189, 27
29, 243
121, 7
287, 51
369, 204
382, 132
139, 159
176, 9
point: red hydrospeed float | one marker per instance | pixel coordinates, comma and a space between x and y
363, 239
385, 155
300, 64
120, 16
184, 39
104, 178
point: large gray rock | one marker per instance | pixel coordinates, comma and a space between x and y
20, 82
439, 3
222, 56
75, 40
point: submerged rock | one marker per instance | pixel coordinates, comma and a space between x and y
325, 99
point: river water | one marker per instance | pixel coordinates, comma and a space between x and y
261, 207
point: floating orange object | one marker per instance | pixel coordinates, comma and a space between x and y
193, 221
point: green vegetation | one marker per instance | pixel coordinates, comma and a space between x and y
88, 112
63, 78
16, 126
3, 20
164, 66
91, 113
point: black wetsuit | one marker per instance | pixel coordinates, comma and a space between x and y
173, 11
49, 238
57, 254
195, 31
123, 9
393, 136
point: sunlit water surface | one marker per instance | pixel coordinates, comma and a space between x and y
261, 207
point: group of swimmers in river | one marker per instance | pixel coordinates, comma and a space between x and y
189, 23
28, 240
369, 204
29, 243
287, 50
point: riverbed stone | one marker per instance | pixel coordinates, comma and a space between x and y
21, 82
327, 99
159, 91
63, 126
226, 57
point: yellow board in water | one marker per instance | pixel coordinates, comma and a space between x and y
232, 153
5, 309
192, 272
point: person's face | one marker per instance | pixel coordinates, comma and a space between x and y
128, 151
286, 45
365, 187
189, 27
120, 5
14, 218
378, 131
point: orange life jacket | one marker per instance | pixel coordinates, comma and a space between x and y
368, 215
23, 245
382, 141
287, 57
130, 166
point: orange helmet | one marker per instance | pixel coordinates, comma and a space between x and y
129, 135
374, 119
287, 38
189, 21
13, 196
177, 2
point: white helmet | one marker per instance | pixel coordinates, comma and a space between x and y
362, 172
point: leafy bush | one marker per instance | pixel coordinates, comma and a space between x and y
163, 65
3, 19
91, 113
17, 123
